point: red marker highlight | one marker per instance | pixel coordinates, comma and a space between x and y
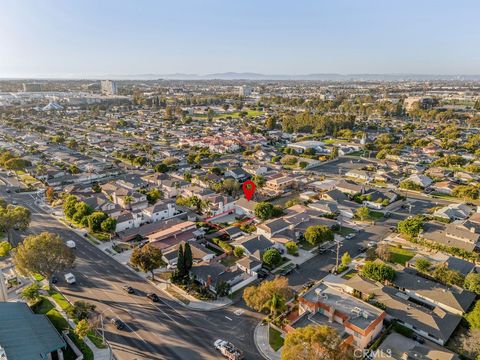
248, 189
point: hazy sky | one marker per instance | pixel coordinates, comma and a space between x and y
95, 37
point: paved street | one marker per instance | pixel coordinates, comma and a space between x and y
163, 330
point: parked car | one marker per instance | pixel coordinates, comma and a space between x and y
154, 297
262, 274
119, 324
128, 289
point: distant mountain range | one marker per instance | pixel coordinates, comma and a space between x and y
318, 77
257, 76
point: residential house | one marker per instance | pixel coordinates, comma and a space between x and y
454, 212
166, 238
246, 207
358, 322
452, 299
211, 275
349, 188
279, 184
443, 187
161, 210
25, 335
420, 180
361, 175
453, 235
396, 346
200, 253
434, 324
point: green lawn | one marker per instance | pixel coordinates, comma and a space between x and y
38, 277
400, 256
102, 236
275, 338
376, 215
43, 306
60, 300
96, 340
356, 153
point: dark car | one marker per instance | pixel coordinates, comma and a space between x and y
262, 274
154, 297
54, 280
119, 324
128, 289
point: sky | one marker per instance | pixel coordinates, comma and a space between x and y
85, 38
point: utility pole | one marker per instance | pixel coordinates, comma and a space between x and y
338, 254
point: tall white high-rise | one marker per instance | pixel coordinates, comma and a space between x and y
108, 87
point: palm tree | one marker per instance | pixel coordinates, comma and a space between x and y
276, 304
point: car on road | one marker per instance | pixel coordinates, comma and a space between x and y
70, 278
71, 244
14, 202
119, 324
128, 289
154, 297
228, 350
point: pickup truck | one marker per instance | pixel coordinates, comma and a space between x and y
228, 350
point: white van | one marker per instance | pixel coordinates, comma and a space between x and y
70, 278
71, 244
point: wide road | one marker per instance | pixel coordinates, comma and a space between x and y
163, 330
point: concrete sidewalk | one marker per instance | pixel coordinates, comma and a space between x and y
193, 303
260, 337
98, 354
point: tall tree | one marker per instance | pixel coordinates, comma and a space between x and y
275, 304
315, 342
318, 234
187, 257
257, 296
44, 254
147, 258
181, 262
13, 217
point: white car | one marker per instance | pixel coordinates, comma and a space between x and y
71, 244
70, 278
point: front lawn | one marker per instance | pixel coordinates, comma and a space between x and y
275, 339
376, 215
399, 255
60, 300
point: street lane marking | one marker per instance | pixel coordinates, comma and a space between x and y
228, 318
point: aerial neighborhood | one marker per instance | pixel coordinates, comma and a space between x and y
122, 202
